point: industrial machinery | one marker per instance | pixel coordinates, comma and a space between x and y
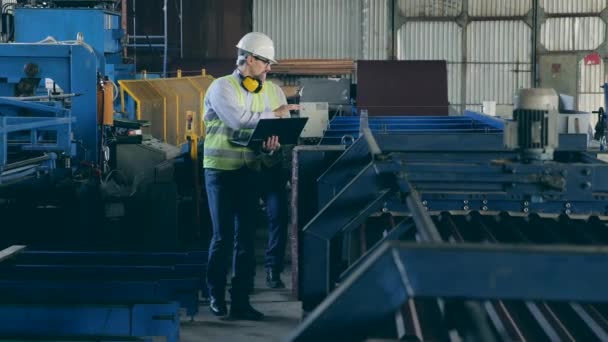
95, 24
114, 243
59, 156
437, 235
66, 151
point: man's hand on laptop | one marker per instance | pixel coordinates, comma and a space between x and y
283, 110
271, 144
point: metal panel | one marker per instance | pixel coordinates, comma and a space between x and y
454, 83
589, 33
590, 102
566, 34
402, 87
496, 82
498, 41
165, 103
376, 27
556, 34
430, 40
592, 77
311, 28
558, 71
430, 8
89, 22
570, 6
499, 8
474, 108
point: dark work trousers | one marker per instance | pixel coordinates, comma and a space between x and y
232, 204
273, 181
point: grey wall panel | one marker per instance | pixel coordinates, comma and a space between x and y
498, 41
454, 83
376, 29
495, 82
572, 6
429, 8
591, 77
589, 103
311, 28
556, 34
474, 108
428, 40
499, 8
568, 34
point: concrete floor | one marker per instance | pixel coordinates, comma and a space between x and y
282, 312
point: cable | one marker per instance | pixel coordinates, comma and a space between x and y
78, 42
7, 5
116, 90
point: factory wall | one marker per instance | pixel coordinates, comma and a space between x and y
493, 47
211, 29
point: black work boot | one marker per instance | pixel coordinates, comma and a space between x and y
218, 307
243, 310
273, 280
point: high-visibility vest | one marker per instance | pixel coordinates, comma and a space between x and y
219, 152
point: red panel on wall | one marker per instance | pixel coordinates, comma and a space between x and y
402, 87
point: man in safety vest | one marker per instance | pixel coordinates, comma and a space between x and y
233, 106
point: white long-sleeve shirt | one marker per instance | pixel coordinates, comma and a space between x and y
222, 101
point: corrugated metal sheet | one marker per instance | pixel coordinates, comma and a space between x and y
567, 34
496, 82
474, 108
573, 6
589, 33
311, 28
499, 8
556, 34
376, 28
591, 77
498, 41
428, 40
454, 83
591, 96
430, 8
589, 103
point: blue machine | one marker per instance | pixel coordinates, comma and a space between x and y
465, 198
54, 196
346, 129
100, 28
71, 67
108, 256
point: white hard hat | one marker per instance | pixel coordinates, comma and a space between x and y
258, 44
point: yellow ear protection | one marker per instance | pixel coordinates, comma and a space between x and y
251, 84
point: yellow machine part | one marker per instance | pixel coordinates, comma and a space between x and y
165, 103
108, 104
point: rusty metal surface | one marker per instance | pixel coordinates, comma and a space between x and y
402, 87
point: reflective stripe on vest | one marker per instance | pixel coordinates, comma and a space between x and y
219, 152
